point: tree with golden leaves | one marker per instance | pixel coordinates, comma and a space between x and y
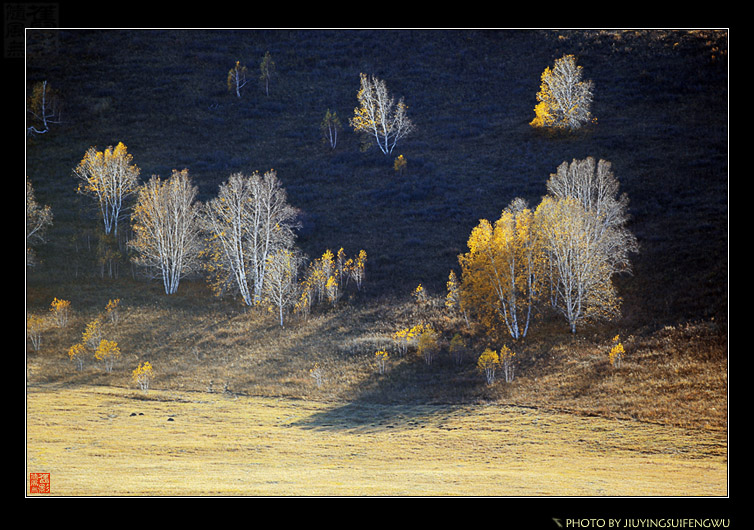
428, 344
143, 375
61, 311
111, 177
379, 116
487, 363
358, 269
165, 222
564, 99
108, 352
499, 271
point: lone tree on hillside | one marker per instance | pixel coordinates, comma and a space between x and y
266, 71
247, 222
565, 100
38, 220
165, 221
237, 78
110, 177
330, 128
43, 108
379, 116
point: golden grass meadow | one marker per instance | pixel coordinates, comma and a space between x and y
104, 441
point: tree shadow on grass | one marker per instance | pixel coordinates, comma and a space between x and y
363, 417
412, 396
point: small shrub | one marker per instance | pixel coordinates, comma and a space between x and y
616, 352
34, 331
382, 358
61, 311
143, 375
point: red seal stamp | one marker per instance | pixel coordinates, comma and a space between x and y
39, 483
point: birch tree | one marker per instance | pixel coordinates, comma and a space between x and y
499, 272
266, 71
565, 100
330, 128
379, 116
582, 280
237, 78
247, 222
281, 283
43, 109
595, 187
111, 177
38, 220
165, 222
583, 226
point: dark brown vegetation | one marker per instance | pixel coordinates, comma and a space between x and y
661, 104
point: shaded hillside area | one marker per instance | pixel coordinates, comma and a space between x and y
660, 98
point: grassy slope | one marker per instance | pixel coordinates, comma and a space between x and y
661, 101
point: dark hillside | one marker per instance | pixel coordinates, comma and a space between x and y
661, 100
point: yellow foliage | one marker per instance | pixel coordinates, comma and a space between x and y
499, 272
382, 358
487, 363
616, 352
399, 165
61, 311
112, 309
108, 352
143, 375
408, 336
92, 334
76, 354
34, 330
488, 358
331, 287
420, 294
427, 344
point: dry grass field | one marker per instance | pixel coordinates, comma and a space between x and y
248, 419
105, 441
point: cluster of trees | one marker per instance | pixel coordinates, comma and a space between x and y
243, 239
164, 210
238, 75
326, 279
93, 341
564, 253
378, 117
